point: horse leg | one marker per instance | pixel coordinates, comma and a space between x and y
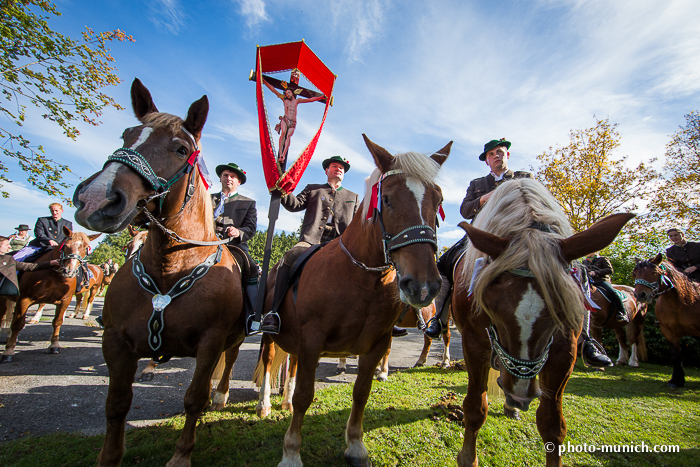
303, 396
635, 333
90, 300
475, 403
54, 348
678, 377
356, 454
624, 348
18, 321
37, 316
221, 395
290, 384
382, 371
553, 378
196, 399
423, 357
149, 372
264, 407
445, 363
342, 366
122, 365
76, 310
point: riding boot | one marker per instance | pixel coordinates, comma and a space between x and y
437, 325
398, 332
620, 312
594, 353
252, 327
271, 322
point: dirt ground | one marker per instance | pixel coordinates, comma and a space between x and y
42, 393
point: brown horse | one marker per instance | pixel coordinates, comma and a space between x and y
677, 306
349, 296
49, 286
138, 238
604, 317
522, 312
156, 176
108, 272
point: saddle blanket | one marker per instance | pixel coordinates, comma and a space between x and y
25, 252
621, 295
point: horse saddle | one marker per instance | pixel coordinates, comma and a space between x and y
606, 295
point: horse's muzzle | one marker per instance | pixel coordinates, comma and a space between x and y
103, 212
418, 294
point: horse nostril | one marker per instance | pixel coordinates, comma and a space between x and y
408, 285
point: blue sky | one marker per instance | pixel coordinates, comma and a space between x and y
412, 75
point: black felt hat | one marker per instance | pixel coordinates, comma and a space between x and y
337, 159
492, 144
231, 166
22, 227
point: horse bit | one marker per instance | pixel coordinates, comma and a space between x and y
408, 236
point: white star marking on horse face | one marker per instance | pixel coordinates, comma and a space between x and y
145, 133
418, 190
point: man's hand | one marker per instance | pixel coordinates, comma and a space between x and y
591, 273
55, 262
691, 269
53, 243
233, 232
484, 198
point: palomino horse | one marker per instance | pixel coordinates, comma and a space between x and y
523, 312
604, 317
49, 286
677, 306
156, 175
351, 291
92, 289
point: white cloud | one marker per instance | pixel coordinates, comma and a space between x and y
365, 20
253, 11
167, 15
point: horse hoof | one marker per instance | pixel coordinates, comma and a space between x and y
287, 406
33, 322
674, 385
7, 359
263, 411
513, 414
53, 350
340, 371
146, 377
356, 462
419, 365
382, 377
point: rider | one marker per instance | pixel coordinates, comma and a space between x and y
235, 216
48, 233
685, 256
599, 269
20, 239
496, 156
9, 284
329, 209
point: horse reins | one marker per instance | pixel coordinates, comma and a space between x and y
408, 236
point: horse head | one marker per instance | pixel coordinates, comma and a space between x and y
73, 251
524, 284
138, 238
403, 199
647, 275
146, 172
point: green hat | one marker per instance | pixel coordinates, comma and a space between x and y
337, 159
492, 144
231, 166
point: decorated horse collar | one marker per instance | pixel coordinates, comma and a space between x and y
525, 369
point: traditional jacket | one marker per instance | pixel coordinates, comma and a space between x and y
17, 243
9, 268
326, 208
682, 257
481, 186
239, 212
601, 267
48, 229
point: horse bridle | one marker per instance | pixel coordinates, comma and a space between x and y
390, 242
663, 279
525, 369
63, 256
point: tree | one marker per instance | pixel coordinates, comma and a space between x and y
587, 182
112, 246
678, 200
59, 75
281, 242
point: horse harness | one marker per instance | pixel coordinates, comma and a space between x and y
390, 242
663, 279
83, 270
156, 322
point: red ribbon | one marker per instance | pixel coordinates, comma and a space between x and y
441, 212
373, 201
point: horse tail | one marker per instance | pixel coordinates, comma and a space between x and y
277, 361
492, 388
219, 370
642, 347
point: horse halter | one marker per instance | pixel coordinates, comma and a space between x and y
663, 279
140, 165
525, 369
64, 270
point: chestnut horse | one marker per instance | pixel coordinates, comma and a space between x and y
352, 291
677, 306
604, 318
155, 177
523, 312
108, 271
48, 286
138, 238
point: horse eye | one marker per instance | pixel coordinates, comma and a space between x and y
385, 200
182, 150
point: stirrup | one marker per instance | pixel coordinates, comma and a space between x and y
271, 328
252, 327
434, 334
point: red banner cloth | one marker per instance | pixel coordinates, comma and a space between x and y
283, 57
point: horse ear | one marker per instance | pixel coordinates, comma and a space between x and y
595, 238
637, 260
197, 116
489, 243
382, 157
658, 259
94, 236
441, 156
132, 230
67, 232
141, 100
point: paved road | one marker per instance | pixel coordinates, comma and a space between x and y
41, 393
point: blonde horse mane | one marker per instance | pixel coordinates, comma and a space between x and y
412, 164
510, 212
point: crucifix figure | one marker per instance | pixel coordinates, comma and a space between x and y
288, 121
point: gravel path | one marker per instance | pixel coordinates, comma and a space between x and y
41, 393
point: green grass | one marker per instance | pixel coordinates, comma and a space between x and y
622, 406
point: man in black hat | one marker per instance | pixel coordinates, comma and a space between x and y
329, 209
236, 218
20, 239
